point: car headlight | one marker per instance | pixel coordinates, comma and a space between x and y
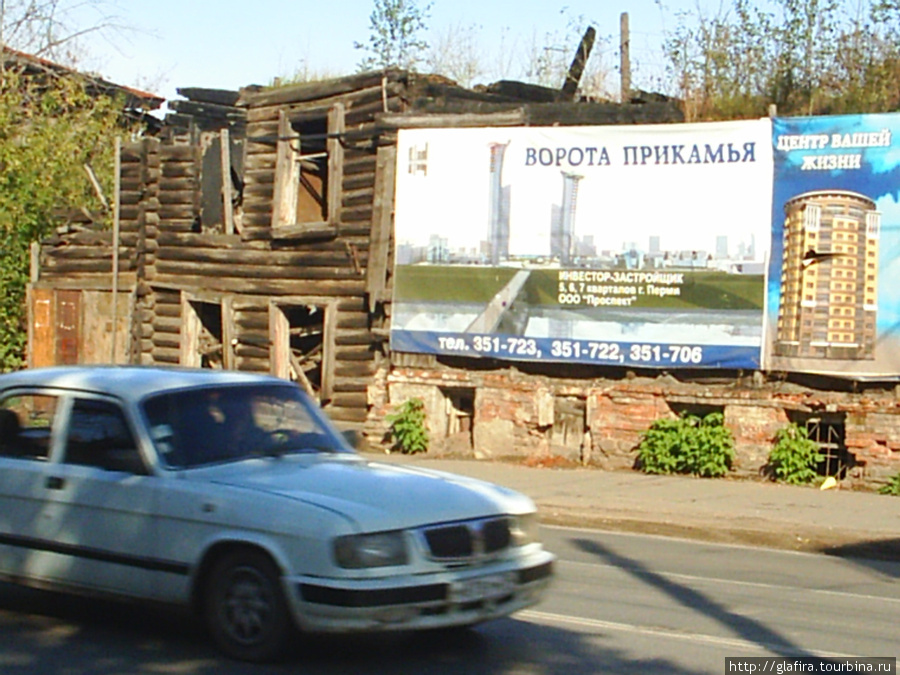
382, 549
524, 529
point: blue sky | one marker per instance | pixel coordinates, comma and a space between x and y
229, 44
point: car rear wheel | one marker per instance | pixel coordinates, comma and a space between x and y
245, 609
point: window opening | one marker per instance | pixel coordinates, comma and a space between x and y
828, 432
312, 171
459, 411
220, 180
569, 425
302, 343
308, 168
700, 410
209, 343
206, 339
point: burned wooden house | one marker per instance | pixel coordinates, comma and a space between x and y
254, 232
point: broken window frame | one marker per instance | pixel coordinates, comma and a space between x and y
192, 328
289, 153
220, 181
279, 342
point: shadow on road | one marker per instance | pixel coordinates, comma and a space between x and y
743, 627
59, 634
881, 555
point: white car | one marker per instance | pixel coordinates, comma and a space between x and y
233, 494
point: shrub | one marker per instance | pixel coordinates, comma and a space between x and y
408, 427
687, 445
892, 487
795, 457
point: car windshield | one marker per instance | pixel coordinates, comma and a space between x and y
230, 423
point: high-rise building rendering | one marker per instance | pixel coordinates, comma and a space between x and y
562, 229
498, 218
829, 276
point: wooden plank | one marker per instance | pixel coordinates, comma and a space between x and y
351, 399
506, 118
182, 186
165, 355
353, 338
180, 196
333, 287
178, 170
304, 231
224, 97
287, 177
576, 69
310, 91
184, 153
82, 266
297, 369
335, 258
348, 384
260, 162
168, 323
353, 369
335, 162
572, 114
217, 271
248, 321
363, 196
358, 115
225, 158
279, 339
42, 319
200, 240
354, 353
229, 332
105, 336
191, 326
328, 351
365, 181
82, 281
353, 214
68, 327
258, 116
342, 416
382, 215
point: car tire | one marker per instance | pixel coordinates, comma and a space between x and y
245, 609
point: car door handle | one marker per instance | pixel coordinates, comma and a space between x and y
55, 483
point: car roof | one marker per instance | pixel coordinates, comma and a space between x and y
129, 382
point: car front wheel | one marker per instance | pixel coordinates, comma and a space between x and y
245, 609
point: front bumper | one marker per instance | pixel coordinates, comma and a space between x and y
452, 597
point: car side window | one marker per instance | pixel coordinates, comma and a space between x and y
99, 436
26, 421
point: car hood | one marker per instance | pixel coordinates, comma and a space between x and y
375, 495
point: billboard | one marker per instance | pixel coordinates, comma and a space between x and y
834, 278
624, 245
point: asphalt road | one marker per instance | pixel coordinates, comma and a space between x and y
620, 604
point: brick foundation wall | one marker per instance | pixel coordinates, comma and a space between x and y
514, 415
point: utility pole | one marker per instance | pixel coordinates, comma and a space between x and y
625, 57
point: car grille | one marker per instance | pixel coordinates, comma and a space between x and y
467, 540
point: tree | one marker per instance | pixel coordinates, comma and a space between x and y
804, 56
50, 129
547, 60
394, 40
455, 53
55, 29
